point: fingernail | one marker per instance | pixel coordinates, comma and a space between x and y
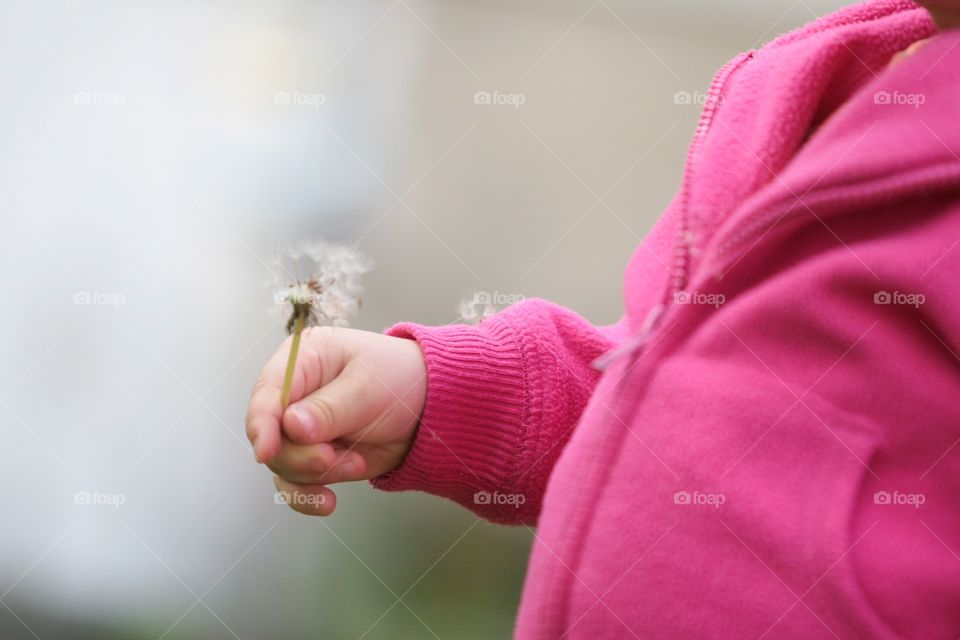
305, 418
348, 470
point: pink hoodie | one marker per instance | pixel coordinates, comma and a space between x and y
772, 447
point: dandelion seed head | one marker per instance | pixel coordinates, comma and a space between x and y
322, 278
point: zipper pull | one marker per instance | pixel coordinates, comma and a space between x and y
632, 344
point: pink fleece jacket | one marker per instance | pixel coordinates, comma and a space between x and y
771, 450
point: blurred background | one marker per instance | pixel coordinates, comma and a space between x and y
155, 156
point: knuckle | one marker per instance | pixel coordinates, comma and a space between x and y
325, 412
330, 349
326, 364
259, 385
251, 415
251, 431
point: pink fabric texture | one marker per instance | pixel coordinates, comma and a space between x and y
778, 455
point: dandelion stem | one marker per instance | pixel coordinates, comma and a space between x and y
292, 360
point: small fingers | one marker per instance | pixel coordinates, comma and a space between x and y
308, 499
265, 412
263, 421
342, 406
317, 464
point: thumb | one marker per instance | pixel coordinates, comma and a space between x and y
344, 405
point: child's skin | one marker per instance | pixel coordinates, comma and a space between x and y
357, 397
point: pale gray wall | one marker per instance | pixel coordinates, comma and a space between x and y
174, 199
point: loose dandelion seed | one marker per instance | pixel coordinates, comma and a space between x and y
475, 308
330, 294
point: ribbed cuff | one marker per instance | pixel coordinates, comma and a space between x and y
473, 426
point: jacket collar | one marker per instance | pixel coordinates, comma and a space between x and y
770, 105
786, 127
896, 135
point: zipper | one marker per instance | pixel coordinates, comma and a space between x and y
679, 273
682, 250
632, 344
682, 255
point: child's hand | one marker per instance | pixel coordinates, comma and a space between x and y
355, 403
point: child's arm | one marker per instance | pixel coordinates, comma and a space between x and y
356, 399
474, 409
498, 400
502, 400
